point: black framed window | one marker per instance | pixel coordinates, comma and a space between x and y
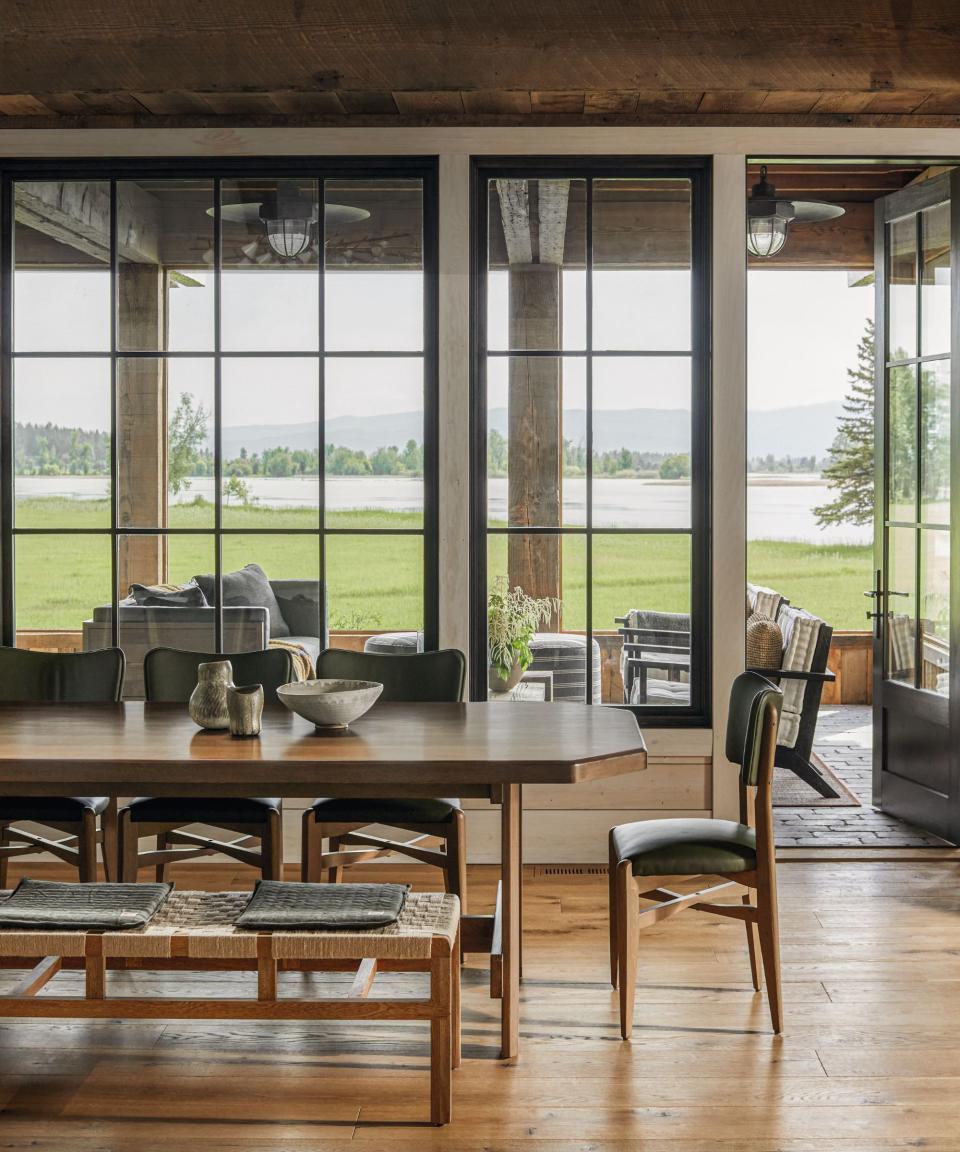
208, 367
591, 418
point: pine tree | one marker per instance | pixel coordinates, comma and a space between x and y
850, 471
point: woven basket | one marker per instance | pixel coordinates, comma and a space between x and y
764, 642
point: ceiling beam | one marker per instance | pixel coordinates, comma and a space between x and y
77, 213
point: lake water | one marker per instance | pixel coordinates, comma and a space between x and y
780, 508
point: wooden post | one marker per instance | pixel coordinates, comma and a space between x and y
141, 426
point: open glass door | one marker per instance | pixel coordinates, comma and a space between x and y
914, 602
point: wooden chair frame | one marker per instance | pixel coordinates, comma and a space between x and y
450, 834
175, 845
757, 909
78, 847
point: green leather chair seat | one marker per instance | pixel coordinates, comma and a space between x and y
58, 808
202, 809
361, 810
686, 847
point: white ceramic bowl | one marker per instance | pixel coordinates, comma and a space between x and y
330, 703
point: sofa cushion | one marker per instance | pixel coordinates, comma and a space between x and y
800, 631
189, 595
249, 587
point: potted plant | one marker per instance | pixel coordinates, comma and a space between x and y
512, 619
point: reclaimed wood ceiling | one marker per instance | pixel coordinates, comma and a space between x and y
193, 62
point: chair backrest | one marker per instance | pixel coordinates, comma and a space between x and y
751, 699
170, 675
408, 677
68, 677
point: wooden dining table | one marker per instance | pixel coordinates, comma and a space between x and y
466, 750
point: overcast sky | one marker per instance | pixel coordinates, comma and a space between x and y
803, 333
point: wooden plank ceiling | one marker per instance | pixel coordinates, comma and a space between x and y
193, 62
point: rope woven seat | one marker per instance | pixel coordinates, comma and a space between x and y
200, 925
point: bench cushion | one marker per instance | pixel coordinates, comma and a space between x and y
44, 904
684, 847
278, 905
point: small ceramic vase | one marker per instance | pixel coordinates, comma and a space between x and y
208, 701
245, 705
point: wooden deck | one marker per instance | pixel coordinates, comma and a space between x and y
870, 1060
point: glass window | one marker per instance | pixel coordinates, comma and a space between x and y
901, 604
935, 281
183, 409
934, 617
591, 393
902, 337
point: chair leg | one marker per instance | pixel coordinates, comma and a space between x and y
455, 1001
271, 848
612, 913
628, 944
4, 839
770, 947
163, 843
311, 847
753, 942
87, 847
129, 849
335, 874
455, 872
108, 842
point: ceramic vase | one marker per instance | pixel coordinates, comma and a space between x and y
208, 701
245, 705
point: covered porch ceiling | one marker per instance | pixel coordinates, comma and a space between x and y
72, 63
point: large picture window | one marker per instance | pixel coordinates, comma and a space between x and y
591, 429
207, 370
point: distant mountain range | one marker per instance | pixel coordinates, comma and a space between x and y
804, 430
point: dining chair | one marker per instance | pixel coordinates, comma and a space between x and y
646, 854
170, 675
415, 677
61, 677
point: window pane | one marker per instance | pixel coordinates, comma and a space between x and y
374, 449
374, 584
902, 438
165, 443
641, 435
641, 264
641, 616
902, 335
373, 248
935, 284
935, 612
271, 442
536, 285
536, 441
935, 456
270, 294
157, 608
62, 584
546, 566
292, 567
901, 604
62, 443
164, 277
61, 283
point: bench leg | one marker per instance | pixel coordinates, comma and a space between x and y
441, 1055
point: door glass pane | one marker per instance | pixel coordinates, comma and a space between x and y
935, 454
270, 292
536, 256
935, 282
373, 251
62, 442
641, 442
61, 282
164, 275
935, 612
902, 332
902, 439
641, 264
901, 604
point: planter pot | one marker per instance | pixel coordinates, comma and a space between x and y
499, 685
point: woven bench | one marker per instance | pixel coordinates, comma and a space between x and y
194, 931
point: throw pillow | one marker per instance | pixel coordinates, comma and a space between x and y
188, 595
764, 643
248, 588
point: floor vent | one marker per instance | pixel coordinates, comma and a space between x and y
570, 870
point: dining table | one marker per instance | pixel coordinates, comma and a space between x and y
470, 750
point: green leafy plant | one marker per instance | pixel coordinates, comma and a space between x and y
512, 619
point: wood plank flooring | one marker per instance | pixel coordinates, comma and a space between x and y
870, 1061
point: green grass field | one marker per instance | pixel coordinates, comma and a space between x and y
376, 583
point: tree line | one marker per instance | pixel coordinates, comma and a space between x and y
619, 462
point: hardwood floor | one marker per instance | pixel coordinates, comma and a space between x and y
869, 1062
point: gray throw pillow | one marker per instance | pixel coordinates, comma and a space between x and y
162, 596
248, 588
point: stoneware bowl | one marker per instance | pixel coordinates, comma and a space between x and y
330, 703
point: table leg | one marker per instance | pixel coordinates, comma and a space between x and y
511, 863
